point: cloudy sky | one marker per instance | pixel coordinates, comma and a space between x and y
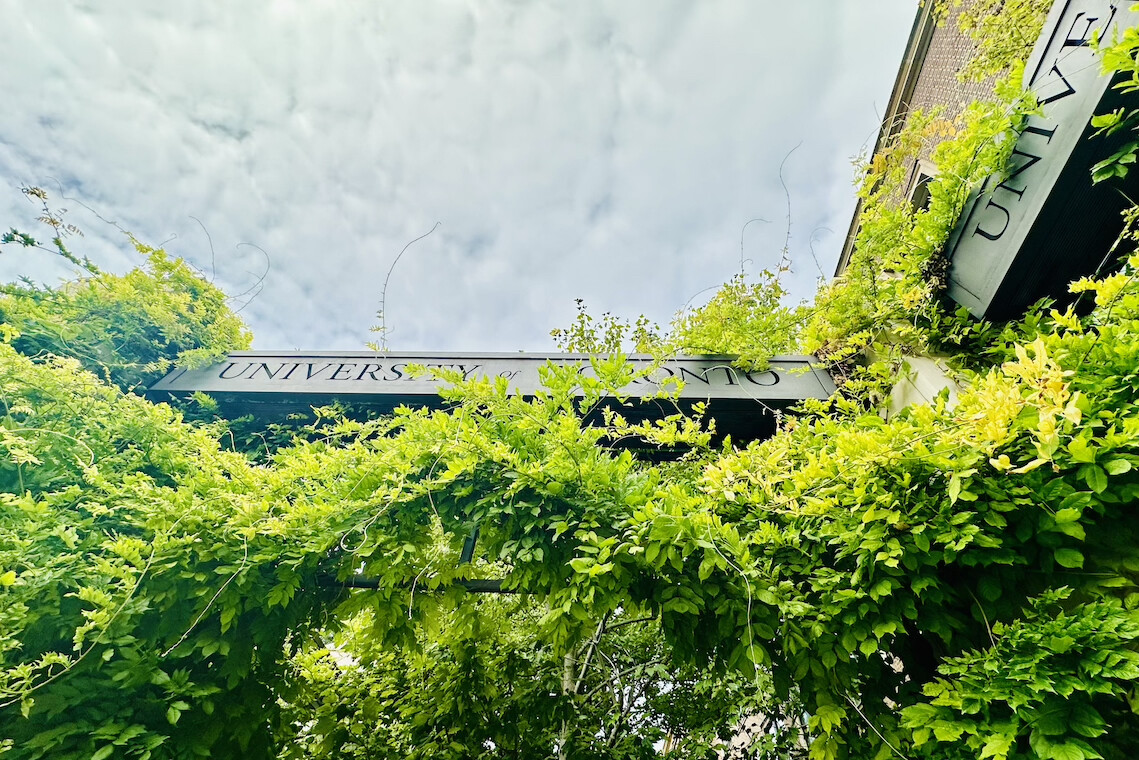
610, 151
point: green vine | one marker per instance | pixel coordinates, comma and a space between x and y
960, 580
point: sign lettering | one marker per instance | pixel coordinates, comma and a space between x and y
351, 375
1010, 246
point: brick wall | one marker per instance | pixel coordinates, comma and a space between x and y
937, 83
927, 78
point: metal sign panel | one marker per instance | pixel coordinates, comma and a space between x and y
1027, 235
372, 374
271, 383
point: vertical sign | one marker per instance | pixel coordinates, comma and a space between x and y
1026, 235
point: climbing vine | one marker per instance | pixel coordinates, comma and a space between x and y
959, 580
130, 329
1002, 32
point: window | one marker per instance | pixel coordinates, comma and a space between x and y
919, 191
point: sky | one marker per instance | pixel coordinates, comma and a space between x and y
290, 149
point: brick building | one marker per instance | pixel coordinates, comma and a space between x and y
927, 77
1028, 232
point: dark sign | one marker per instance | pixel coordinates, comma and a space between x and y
270, 384
1027, 235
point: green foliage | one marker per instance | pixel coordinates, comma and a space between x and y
890, 290
747, 319
924, 542
607, 335
1119, 57
1023, 686
475, 686
482, 683
158, 583
104, 536
1002, 31
958, 581
157, 587
130, 329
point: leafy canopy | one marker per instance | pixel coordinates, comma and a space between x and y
957, 581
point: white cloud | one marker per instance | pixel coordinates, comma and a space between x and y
610, 151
